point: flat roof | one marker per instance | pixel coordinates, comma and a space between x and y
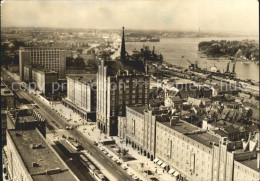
26, 119
5, 91
139, 109
83, 78
44, 156
251, 164
202, 137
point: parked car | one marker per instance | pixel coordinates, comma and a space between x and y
125, 167
95, 143
109, 155
114, 159
130, 173
135, 177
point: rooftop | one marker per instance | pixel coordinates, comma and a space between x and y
83, 78
5, 91
139, 109
114, 66
193, 132
44, 156
251, 164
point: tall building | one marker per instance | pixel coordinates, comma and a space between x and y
81, 95
119, 83
51, 58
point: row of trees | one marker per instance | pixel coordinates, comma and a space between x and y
249, 49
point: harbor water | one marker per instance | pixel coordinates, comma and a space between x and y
173, 50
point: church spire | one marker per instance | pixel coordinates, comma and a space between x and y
123, 52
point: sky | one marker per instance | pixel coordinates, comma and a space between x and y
213, 15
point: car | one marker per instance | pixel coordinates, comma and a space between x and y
95, 143
109, 155
101, 148
125, 167
135, 177
130, 173
114, 159
118, 162
105, 152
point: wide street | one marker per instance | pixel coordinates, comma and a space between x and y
54, 119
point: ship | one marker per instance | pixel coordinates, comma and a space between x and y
146, 54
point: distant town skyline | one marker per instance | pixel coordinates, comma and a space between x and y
214, 15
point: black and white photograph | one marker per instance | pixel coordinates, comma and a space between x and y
125, 90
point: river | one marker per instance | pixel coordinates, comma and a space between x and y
173, 49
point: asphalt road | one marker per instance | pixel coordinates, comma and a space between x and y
55, 120
73, 162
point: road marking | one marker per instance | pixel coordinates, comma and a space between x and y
87, 144
118, 172
93, 150
101, 157
109, 164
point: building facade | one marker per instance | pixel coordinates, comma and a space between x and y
7, 97
51, 58
119, 83
27, 73
81, 94
3, 126
44, 80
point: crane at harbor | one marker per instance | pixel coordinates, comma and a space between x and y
235, 59
192, 65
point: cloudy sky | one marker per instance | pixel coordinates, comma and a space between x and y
218, 15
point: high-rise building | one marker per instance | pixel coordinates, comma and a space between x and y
51, 58
119, 83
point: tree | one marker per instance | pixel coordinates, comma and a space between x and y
124, 151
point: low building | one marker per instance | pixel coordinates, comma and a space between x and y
30, 158
7, 97
26, 119
45, 80
81, 95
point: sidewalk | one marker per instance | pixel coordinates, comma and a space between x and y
69, 115
94, 134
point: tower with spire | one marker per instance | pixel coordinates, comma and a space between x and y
123, 52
